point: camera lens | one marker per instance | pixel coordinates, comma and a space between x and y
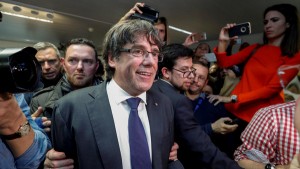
243, 29
23, 70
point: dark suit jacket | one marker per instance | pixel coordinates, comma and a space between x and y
195, 147
83, 127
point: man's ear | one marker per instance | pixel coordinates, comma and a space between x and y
165, 72
62, 62
111, 60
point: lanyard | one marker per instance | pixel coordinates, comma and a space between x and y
201, 98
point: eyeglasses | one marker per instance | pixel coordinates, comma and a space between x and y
141, 53
200, 78
186, 73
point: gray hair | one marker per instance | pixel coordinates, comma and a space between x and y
45, 45
125, 32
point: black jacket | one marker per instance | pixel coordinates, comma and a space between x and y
196, 150
48, 96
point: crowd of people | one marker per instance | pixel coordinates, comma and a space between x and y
148, 104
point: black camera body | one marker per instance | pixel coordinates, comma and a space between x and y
20, 70
149, 14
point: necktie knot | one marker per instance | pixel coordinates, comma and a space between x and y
133, 102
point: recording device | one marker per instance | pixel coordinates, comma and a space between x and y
240, 29
0, 16
199, 36
210, 57
20, 70
234, 121
149, 14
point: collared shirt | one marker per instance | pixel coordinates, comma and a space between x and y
35, 154
120, 111
270, 136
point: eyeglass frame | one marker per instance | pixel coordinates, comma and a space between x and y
186, 72
160, 56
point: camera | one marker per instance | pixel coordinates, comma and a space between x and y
20, 70
149, 14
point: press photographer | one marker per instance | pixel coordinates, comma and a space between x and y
22, 143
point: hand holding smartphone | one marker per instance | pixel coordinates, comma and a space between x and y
240, 29
234, 121
150, 14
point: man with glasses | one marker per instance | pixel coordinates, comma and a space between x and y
213, 118
93, 125
176, 74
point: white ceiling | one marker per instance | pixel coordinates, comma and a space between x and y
73, 18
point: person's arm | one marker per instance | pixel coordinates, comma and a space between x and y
190, 134
133, 10
224, 38
249, 164
12, 118
28, 150
259, 141
189, 40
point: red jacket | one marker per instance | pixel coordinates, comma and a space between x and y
260, 84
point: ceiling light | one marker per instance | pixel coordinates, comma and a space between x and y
180, 30
27, 17
34, 12
18, 9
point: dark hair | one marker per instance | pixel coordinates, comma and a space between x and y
82, 41
209, 50
124, 32
163, 20
289, 45
172, 53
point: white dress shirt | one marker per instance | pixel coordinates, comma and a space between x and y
120, 111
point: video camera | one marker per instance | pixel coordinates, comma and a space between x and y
20, 70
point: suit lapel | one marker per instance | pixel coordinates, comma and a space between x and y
104, 129
155, 128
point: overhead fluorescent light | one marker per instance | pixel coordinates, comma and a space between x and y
180, 30
27, 17
21, 10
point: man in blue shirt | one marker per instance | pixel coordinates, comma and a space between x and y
22, 143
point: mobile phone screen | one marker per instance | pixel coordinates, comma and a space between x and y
240, 29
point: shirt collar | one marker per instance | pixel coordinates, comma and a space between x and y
121, 95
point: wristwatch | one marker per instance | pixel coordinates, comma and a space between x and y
23, 130
233, 98
269, 166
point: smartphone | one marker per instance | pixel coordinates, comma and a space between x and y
240, 29
149, 14
199, 36
210, 57
234, 121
